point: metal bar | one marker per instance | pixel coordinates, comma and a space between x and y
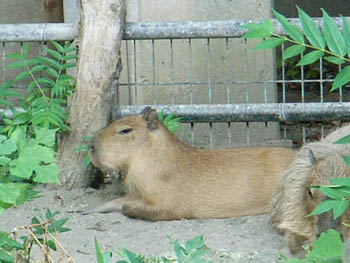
200, 29
38, 32
190, 70
209, 71
249, 112
141, 30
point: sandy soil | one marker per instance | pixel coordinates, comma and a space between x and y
247, 239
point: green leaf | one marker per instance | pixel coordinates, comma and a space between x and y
334, 60
70, 57
4, 160
22, 75
24, 193
16, 65
37, 68
68, 65
332, 193
340, 208
256, 34
50, 62
52, 72
54, 53
346, 160
195, 243
58, 46
342, 78
268, 25
7, 146
46, 81
99, 255
293, 51
51, 244
312, 32
87, 161
290, 29
341, 181
329, 245
323, 207
346, 34
47, 174
334, 38
5, 257
21, 118
9, 193
31, 86
16, 56
343, 140
256, 31
38, 159
310, 57
45, 136
25, 49
180, 252
269, 43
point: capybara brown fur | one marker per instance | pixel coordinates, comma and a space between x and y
315, 163
166, 179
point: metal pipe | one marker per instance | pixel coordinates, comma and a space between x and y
141, 30
249, 112
38, 32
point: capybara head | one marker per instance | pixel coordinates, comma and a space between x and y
112, 147
323, 170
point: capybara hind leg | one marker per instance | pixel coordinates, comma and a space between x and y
296, 243
107, 207
141, 210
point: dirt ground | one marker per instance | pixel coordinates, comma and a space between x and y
240, 240
247, 239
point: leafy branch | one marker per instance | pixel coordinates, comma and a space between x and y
330, 42
48, 88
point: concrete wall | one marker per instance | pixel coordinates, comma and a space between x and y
241, 64
31, 11
25, 11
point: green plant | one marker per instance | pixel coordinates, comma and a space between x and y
329, 42
28, 141
23, 161
328, 248
192, 252
42, 233
170, 122
47, 91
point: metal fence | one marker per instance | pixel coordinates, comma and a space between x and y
228, 94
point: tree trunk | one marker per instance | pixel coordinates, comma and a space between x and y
97, 72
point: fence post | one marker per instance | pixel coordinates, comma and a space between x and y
101, 30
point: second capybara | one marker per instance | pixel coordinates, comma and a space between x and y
166, 179
314, 164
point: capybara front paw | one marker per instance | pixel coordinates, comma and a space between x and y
131, 210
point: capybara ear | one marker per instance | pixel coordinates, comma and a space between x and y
312, 158
151, 118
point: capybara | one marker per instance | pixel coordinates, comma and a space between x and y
294, 199
166, 179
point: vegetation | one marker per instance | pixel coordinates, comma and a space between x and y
329, 43
192, 252
42, 232
28, 140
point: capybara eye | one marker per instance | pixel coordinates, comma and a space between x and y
125, 131
310, 194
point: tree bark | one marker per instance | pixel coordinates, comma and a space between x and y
97, 72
